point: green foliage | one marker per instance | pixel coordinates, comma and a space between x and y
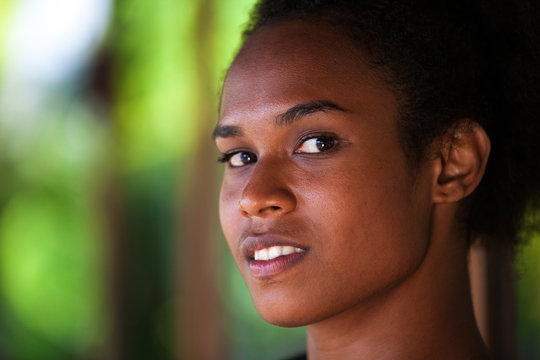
5, 17
49, 271
528, 292
154, 81
49, 256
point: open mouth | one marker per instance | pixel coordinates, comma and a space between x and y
272, 260
273, 252
270, 254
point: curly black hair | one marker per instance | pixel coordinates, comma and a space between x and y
449, 60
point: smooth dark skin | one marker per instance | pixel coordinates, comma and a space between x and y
385, 276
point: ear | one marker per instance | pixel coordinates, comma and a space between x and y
460, 162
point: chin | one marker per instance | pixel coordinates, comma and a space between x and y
284, 319
289, 311
286, 323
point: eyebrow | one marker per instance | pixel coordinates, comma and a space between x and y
290, 116
227, 131
299, 111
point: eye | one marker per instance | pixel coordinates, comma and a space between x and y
238, 159
317, 144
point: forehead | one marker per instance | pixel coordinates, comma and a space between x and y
295, 62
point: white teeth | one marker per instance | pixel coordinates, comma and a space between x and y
261, 254
288, 250
275, 251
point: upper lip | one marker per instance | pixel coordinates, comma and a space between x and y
254, 242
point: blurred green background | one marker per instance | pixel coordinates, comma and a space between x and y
109, 242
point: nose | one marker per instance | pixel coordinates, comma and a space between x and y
267, 193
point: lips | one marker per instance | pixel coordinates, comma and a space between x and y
269, 255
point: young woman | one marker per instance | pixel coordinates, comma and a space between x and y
356, 137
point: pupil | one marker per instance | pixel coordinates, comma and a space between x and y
324, 143
245, 158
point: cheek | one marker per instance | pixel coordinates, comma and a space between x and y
373, 230
229, 215
363, 202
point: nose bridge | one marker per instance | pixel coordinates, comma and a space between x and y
268, 190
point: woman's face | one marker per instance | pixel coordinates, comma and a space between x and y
318, 204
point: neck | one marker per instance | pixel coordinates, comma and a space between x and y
427, 315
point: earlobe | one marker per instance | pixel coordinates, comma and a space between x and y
461, 162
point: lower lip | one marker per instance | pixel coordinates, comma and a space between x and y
265, 268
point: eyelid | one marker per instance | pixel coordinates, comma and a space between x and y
224, 157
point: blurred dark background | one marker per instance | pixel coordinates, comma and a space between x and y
110, 246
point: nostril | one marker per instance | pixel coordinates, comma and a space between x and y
264, 200
269, 208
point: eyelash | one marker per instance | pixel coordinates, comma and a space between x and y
326, 136
225, 158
